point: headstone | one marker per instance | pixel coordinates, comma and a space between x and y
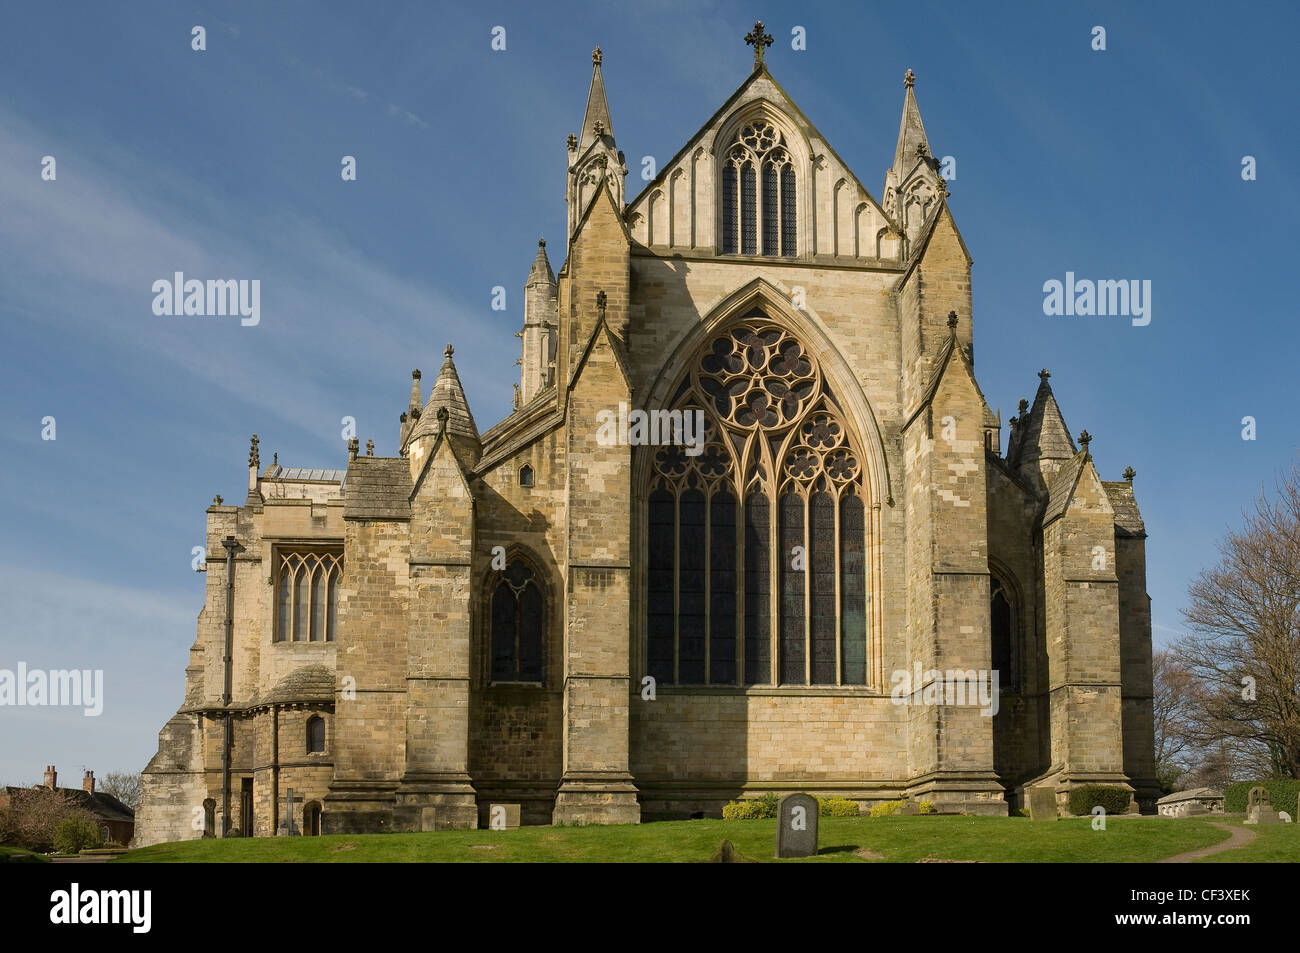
428, 818
1195, 807
1284, 817
1042, 803
287, 827
796, 826
727, 854
503, 817
909, 807
1259, 808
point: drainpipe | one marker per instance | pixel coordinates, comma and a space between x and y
228, 659
275, 769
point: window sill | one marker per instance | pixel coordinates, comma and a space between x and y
864, 691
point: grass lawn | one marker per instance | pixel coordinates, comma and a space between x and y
16, 855
902, 839
1275, 844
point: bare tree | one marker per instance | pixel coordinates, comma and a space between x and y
1244, 650
124, 786
1172, 707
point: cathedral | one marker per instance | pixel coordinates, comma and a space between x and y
612, 624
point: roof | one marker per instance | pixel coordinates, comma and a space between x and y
1124, 503
1041, 433
1062, 488
1193, 794
541, 270
911, 132
103, 806
311, 683
447, 392
305, 475
597, 109
378, 488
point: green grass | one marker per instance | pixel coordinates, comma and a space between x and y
901, 839
16, 855
1279, 844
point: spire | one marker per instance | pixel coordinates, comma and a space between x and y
911, 131
541, 270
416, 400
1043, 442
447, 403
596, 124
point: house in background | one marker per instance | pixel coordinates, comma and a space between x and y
116, 820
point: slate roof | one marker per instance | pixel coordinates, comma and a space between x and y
311, 683
378, 488
1122, 501
1193, 794
306, 475
1062, 488
102, 805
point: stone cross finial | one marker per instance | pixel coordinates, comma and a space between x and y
541, 243
599, 127
448, 351
572, 142
1043, 375
1129, 474
275, 458
758, 40
952, 320
370, 448
596, 56
1085, 438
353, 445
416, 373
909, 79
253, 458
600, 303
1022, 406
217, 500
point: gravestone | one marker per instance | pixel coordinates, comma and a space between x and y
287, 827
503, 817
1284, 817
796, 826
1042, 803
1195, 807
1259, 808
428, 819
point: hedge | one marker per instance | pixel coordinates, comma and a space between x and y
1283, 791
1112, 798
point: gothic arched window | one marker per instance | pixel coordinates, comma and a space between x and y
1002, 626
518, 623
758, 217
756, 568
307, 596
315, 735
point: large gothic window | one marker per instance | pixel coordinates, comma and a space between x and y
1002, 626
518, 623
758, 194
756, 569
307, 596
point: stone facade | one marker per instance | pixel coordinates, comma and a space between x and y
946, 555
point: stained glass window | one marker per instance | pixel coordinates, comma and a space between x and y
518, 619
752, 221
306, 598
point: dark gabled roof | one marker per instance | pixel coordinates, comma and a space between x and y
1061, 491
103, 806
378, 488
1127, 518
1041, 433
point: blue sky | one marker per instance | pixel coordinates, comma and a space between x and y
225, 163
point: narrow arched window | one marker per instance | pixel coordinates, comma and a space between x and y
518, 622
315, 735
1002, 628
525, 475
758, 194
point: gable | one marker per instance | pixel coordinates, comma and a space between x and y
838, 217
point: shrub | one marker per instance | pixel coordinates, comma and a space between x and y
1283, 793
34, 814
837, 807
885, 808
926, 807
75, 834
1023, 812
1114, 799
749, 809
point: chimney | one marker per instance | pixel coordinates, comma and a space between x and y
51, 777
88, 782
